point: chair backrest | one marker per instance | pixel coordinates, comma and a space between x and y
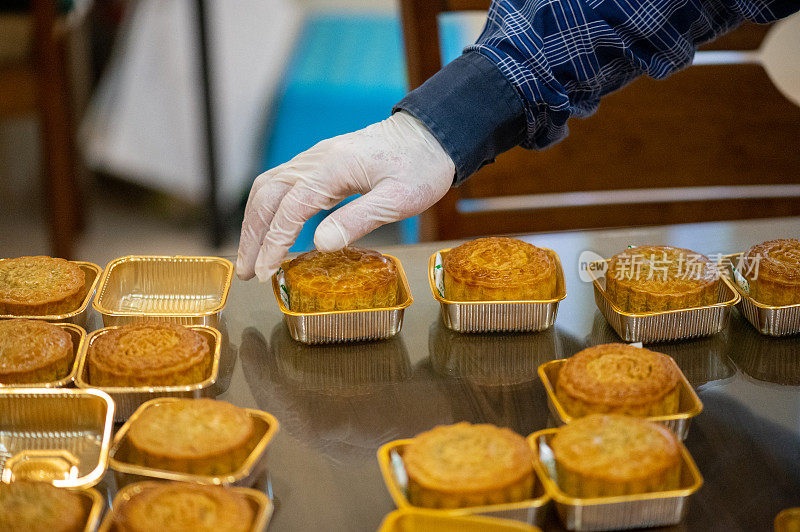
715, 141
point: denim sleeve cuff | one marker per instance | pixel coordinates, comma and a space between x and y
472, 110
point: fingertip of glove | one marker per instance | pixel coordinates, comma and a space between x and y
242, 272
329, 237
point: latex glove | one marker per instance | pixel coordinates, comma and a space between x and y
398, 166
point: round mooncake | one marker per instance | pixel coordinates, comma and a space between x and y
40, 286
609, 454
453, 466
33, 351
621, 379
348, 279
198, 436
772, 270
658, 278
148, 354
182, 507
40, 507
500, 269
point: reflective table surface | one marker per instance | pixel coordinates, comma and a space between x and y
338, 403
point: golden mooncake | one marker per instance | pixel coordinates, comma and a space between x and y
148, 354
610, 454
38, 286
198, 436
620, 379
348, 279
40, 507
658, 278
183, 507
453, 466
500, 269
772, 270
34, 351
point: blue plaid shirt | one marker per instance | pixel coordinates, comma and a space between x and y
539, 62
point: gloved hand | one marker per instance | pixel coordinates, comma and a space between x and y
397, 164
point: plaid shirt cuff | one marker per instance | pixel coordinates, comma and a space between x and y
473, 111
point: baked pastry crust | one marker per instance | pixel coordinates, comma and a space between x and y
348, 279
148, 354
197, 436
180, 507
40, 507
772, 270
499, 269
620, 379
658, 278
39, 286
453, 466
609, 454
33, 351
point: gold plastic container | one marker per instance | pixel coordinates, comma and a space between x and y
767, 319
95, 504
78, 335
689, 404
390, 460
128, 399
78, 316
347, 325
56, 435
659, 508
649, 327
496, 316
788, 520
262, 506
185, 290
245, 475
414, 520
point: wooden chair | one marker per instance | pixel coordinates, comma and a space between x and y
680, 149
40, 85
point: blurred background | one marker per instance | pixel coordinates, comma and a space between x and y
137, 126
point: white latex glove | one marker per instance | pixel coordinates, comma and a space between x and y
398, 166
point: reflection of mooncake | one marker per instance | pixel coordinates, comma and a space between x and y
461, 465
148, 354
179, 506
605, 455
658, 278
33, 351
500, 269
618, 378
348, 279
198, 436
490, 359
40, 507
773, 272
38, 286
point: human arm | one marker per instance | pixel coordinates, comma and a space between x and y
551, 60
536, 64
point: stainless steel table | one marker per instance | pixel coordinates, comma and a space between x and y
338, 404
